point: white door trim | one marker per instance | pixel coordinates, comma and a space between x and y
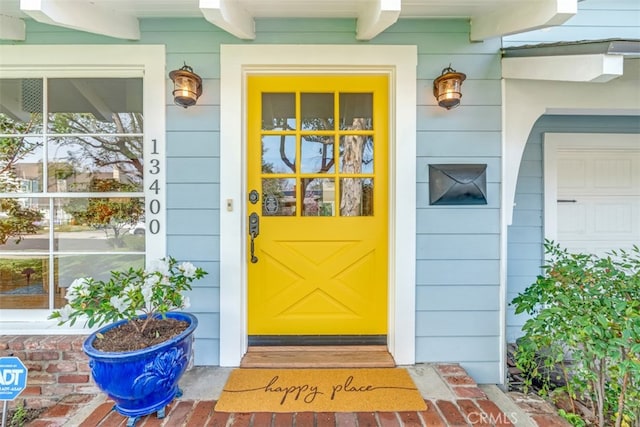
399, 63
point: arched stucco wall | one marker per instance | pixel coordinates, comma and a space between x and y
525, 101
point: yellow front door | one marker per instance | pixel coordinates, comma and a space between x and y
317, 205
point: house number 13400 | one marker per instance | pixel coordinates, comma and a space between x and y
154, 204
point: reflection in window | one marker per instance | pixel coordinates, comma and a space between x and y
279, 197
76, 162
356, 107
319, 196
22, 222
356, 154
278, 111
317, 154
356, 197
278, 154
21, 101
95, 106
317, 111
95, 231
326, 167
75, 189
70, 267
24, 281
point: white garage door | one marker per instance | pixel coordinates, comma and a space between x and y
598, 193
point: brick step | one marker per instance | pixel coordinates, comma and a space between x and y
201, 413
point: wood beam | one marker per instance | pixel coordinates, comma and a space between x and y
229, 16
567, 68
519, 18
376, 18
87, 17
12, 28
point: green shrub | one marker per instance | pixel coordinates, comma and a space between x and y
585, 310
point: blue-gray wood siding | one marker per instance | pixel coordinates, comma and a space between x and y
457, 266
526, 233
595, 20
458, 305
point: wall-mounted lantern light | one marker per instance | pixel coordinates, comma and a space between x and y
187, 86
446, 88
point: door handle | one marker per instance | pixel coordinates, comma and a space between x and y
254, 230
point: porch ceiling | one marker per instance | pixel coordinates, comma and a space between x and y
119, 18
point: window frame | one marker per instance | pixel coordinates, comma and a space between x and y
110, 61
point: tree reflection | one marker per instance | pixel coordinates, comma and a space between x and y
103, 144
16, 220
355, 151
112, 215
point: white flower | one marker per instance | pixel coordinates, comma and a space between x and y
79, 287
147, 293
152, 280
129, 293
65, 313
119, 303
188, 269
82, 282
159, 265
70, 295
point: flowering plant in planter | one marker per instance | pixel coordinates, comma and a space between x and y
138, 359
139, 296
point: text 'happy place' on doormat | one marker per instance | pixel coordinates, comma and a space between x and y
320, 390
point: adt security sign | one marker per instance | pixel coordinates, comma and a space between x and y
13, 377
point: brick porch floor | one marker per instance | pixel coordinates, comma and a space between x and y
459, 402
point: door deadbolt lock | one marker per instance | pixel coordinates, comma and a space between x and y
254, 197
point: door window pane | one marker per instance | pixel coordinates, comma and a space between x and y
356, 154
317, 154
278, 111
279, 197
356, 197
319, 197
278, 154
317, 111
356, 111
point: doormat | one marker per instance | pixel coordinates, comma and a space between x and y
320, 390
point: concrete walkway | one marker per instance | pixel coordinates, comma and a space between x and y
452, 397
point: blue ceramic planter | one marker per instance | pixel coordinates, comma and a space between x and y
144, 381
